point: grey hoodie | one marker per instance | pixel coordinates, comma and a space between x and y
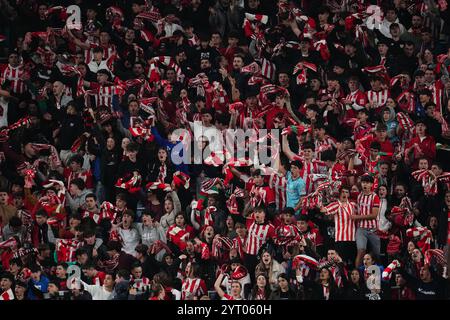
77, 201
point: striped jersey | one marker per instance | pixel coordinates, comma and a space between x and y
327, 144
366, 202
228, 297
193, 288
257, 235
260, 195
278, 183
310, 168
268, 69
344, 225
14, 75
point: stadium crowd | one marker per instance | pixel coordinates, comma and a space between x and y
354, 205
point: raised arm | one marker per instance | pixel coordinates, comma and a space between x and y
193, 221
77, 41
176, 202
286, 149
160, 140
217, 287
291, 112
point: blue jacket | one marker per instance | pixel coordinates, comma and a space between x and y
41, 285
169, 147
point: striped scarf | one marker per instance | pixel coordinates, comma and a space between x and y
424, 236
430, 182
201, 83
232, 203
154, 74
437, 254
131, 184
220, 246
301, 68
387, 273
111, 264
23, 122
65, 249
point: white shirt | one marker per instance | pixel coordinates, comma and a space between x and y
130, 239
94, 66
383, 222
97, 292
170, 28
384, 28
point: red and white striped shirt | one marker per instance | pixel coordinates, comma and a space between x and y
378, 97
193, 287
14, 74
260, 195
309, 168
278, 183
257, 235
366, 202
344, 225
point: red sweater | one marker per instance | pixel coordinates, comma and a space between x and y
386, 146
427, 146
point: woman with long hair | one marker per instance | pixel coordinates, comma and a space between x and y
426, 57
355, 287
161, 169
179, 233
261, 290
270, 267
284, 290
172, 207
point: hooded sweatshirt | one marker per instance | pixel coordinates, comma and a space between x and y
392, 125
76, 202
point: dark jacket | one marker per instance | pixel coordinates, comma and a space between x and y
292, 294
315, 291
433, 290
